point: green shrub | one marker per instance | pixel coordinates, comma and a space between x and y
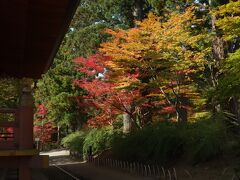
99, 139
163, 142
206, 140
155, 143
74, 141
168, 141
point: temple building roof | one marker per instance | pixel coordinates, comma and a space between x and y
31, 32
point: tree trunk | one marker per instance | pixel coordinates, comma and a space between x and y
181, 111
127, 123
181, 114
146, 115
58, 134
233, 106
218, 56
138, 10
218, 52
146, 110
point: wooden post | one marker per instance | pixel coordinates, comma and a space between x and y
138, 168
164, 174
154, 170
169, 174
24, 170
175, 173
16, 130
26, 119
158, 171
25, 131
149, 170
145, 170
141, 170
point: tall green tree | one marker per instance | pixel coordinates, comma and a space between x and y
56, 92
56, 88
228, 22
10, 89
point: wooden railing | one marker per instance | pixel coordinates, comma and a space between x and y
9, 140
6, 136
154, 171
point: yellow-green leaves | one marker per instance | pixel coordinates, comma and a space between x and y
155, 45
228, 19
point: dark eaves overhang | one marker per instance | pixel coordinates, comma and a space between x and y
32, 31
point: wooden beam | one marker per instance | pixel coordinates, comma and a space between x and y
14, 153
7, 145
8, 110
35, 161
8, 124
27, 24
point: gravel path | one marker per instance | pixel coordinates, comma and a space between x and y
88, 171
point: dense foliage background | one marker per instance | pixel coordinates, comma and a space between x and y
147, 80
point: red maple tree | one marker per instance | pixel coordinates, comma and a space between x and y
102, 95
43, 129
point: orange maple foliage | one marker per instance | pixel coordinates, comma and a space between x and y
102, 98
159, 54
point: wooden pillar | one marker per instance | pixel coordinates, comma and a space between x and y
16, 130
25, 131
24, 171
26, 119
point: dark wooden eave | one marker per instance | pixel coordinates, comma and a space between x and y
31, 32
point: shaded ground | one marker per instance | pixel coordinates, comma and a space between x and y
209, 171
214, 170
90, 172
87, 171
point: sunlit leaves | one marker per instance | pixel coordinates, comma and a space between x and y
102, 97
230, 83
165, 53
228, 19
